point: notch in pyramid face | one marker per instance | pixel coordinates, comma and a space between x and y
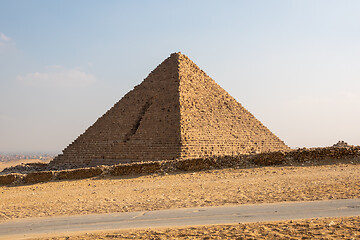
177, 112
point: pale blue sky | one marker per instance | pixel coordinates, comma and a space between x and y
294, 64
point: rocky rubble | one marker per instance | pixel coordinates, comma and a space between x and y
26, 168
341, 144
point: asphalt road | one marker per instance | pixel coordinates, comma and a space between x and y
26, 228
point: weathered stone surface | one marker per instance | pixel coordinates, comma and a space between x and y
177, 112
37, 177
135, 168
268, 159
80, 173
9, 178
195, 164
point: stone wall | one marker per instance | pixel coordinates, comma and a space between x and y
313, 156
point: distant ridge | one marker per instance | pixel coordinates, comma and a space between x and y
177, 112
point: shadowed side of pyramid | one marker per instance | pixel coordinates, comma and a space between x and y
143, 125
213, 122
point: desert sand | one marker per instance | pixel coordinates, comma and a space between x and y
190, 189
325, 228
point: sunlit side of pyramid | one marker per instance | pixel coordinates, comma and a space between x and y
213, 122
177, 112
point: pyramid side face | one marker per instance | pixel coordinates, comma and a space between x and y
213, 123
143, 125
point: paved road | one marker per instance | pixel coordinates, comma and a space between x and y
25, 228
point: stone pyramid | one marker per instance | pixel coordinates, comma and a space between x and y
177, 112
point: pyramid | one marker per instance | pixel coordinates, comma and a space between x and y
177, 112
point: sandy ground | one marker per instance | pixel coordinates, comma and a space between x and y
325, 228
206, 188
13, 163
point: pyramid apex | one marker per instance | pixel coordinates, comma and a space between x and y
176, 54
179, 56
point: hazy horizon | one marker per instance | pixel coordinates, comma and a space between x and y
293, 64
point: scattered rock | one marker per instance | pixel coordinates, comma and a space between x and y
341, 144
26, 168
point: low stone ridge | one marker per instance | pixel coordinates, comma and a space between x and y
136, 168
26, 168
177, 112
10, 178
310, 156
79, 173
36, 177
